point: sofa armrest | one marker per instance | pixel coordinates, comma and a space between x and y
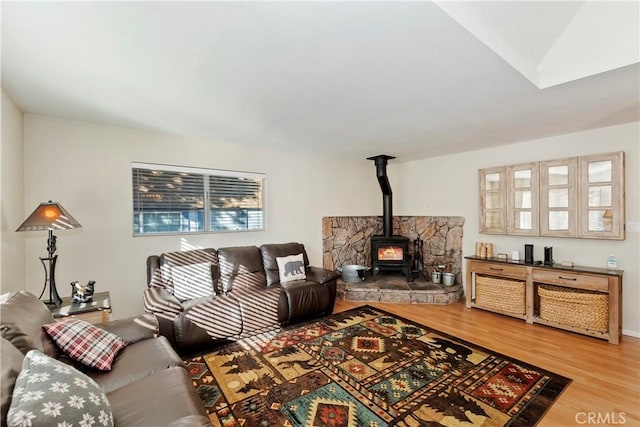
158, 301
133, 329
321, 275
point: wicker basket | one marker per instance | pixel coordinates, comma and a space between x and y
574, 307
500, 294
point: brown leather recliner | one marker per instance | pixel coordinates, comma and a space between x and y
148, 384
226, 294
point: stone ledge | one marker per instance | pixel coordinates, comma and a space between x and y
396, 289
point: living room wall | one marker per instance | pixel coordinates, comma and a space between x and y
11, 197
87, 168
448, 185
301, 189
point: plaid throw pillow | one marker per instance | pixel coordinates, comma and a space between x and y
85, 342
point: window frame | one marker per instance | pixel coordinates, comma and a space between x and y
205, 173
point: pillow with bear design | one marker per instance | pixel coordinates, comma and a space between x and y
291, 268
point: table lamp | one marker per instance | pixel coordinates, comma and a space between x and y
50, 216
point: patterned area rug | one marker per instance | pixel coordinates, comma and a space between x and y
366, 367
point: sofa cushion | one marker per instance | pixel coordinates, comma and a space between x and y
86, 343
49, 392
10, 366
22, 315
176, 260
241, 267
192, 281
220, 316
133, 329
137, 361
157, 400
259, 308
272, 251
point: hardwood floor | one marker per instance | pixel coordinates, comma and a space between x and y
606, 377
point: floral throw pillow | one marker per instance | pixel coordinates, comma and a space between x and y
51, 393
85, 342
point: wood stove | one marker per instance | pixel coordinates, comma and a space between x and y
388, 252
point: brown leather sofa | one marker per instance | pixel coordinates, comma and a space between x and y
247, 298
148, 384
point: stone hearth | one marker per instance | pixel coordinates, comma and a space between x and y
394, 288
347, 240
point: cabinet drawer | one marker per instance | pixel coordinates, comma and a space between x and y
502, 270
573, 280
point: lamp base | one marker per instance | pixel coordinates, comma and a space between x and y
53, 303
50, 278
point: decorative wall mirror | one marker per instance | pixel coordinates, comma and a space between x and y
602, 198
559, 198
522, 206
573, 197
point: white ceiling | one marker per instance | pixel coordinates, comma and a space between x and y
347, 79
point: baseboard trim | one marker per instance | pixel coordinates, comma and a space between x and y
630, 333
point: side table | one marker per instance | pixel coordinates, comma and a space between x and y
96, 311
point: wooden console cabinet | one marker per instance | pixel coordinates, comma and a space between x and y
586, 278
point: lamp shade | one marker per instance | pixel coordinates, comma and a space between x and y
49, 216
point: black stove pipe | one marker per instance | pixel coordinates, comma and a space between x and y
387, 194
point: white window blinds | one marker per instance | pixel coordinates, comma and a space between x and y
171, 199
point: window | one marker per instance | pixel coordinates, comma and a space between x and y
173, 199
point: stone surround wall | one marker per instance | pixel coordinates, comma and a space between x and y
347, 239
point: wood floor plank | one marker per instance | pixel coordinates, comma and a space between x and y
606, 377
